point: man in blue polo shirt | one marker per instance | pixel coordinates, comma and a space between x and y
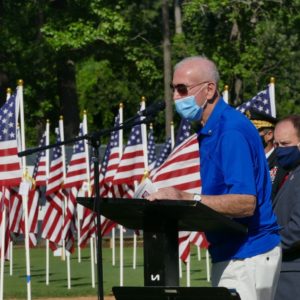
235, 182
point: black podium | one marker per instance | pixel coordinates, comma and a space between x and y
160, 221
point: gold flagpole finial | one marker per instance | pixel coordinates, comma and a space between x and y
121, 105
20, 82
272, 80
8, 91
61, 117
143, 99
146, 175
226, 87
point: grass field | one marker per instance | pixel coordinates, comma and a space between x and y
81, 284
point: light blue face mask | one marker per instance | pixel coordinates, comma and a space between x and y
188, 109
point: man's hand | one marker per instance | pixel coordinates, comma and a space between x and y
169, 193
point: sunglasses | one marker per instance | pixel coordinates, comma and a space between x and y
183, 89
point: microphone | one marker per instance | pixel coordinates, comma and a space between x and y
152, 109
149, 111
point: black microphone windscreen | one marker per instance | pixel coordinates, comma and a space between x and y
154, 108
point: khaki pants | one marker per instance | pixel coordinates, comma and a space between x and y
254, 278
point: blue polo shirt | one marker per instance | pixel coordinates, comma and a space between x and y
233, 162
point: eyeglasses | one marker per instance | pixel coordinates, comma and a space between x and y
183, 89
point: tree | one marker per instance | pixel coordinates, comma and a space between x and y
78, 54
250, 42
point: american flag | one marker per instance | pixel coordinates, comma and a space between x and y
182, 168
33, 213
110, 160
164, 153
88, 224
53, 221
199, 239
39, 178
261, 102
4, 220
76, 176
15, 211
132, 166
184, 132
77, 169
105, 185
108, 170
88, 227
70, 220
182, 171
186, 238
109, 165
10, 164
151, 149
39, 172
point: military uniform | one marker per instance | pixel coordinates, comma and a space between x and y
263, 121
277, 173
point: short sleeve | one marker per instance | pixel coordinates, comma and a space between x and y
237, 163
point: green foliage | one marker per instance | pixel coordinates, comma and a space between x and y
250, 41
116, 47
96, 23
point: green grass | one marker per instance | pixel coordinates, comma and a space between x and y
81, 284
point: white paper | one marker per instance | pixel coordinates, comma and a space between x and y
24, 188
145, 188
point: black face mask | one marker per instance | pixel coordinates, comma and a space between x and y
288, 157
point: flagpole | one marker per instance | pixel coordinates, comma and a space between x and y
8, 95
207, 265
47, 177
272, 96
188, 270
121, 226
2, 231
199, 253
172, 135
146, 171
84, 132
95, 158
24, 187
64, 255
88, 173
226, 94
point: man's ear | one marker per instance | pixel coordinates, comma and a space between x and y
270, 135
212, 91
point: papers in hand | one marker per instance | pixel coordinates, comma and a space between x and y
145, 188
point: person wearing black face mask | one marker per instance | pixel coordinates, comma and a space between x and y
287, 206
265, 124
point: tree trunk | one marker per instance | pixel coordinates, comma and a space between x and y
167, 67
177, 14
68, 97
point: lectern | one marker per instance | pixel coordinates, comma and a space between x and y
160, 221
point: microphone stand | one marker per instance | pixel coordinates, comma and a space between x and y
94, 140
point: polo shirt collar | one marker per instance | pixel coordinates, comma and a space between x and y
214, 118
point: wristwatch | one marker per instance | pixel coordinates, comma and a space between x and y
197, 197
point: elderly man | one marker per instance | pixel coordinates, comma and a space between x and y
235, 182
287, 206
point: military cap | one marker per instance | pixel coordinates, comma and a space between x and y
260, 119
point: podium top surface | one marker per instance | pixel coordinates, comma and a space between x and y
188, 215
